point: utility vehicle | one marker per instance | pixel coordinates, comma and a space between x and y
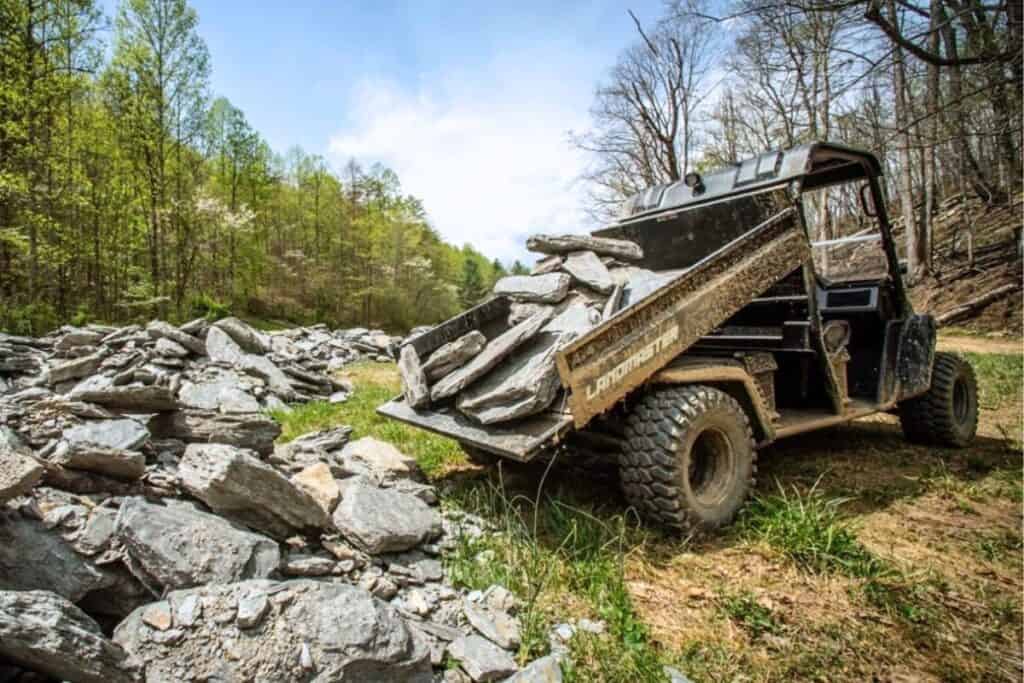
783, 310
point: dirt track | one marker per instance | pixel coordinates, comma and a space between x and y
980, 344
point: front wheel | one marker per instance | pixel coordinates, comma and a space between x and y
688, 461
947, 414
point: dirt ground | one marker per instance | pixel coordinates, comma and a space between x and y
951, 519
965, 344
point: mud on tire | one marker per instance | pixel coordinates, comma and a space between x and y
947, 414
689, 460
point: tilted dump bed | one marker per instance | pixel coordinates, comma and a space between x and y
603, 366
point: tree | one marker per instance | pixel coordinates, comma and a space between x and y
644, 115
157, 82
471, 284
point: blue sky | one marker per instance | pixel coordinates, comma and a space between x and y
469, 102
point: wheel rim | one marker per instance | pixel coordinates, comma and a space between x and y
961, 401
711, 465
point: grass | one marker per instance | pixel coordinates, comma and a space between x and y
809, 529
375, 383
559, 559
744, 610
1000, 378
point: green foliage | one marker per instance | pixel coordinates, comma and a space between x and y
82, 316
809, 529
30, 320
744, 610
122, 182
1000, 378
204, 306
471, 284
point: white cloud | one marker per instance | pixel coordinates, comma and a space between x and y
488, 153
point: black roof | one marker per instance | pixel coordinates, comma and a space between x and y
815, 164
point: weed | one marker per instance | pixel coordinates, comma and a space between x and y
809, 529
1000, 378
551, 553
745, 611
901, 598
999, 547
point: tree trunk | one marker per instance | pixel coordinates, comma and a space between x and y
915, 261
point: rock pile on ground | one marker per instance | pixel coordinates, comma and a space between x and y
152, 530
581, 282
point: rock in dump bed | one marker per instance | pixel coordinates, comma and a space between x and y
579, 283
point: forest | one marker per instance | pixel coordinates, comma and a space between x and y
128, 189
933, 87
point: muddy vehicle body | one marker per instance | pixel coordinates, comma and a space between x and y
780, 308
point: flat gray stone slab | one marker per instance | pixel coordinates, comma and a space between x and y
121, 434
496, 349
414, 379
76, 369
380, 520
254, 431
482, 659
544, 289
18, 473
498, 627
131, 397
603, 246
308, 631
527, 382
548, 264
244, 335
544, 670
178, 545
111, 462
45, 632
236, 484
159, 329
587, 269
453, 355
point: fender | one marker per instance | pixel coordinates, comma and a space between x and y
733, 377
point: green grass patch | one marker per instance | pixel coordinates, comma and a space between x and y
745, 611
810, 529
558, 558
432, 452
1000, 377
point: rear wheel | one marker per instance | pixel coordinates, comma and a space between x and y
688, 461
947, 414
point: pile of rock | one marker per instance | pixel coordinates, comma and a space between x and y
151, 529
580, 282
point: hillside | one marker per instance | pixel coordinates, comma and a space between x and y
996, 264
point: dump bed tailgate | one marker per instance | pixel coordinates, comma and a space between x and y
605, 365
520, 440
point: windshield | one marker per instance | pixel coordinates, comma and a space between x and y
846, 242
678, 240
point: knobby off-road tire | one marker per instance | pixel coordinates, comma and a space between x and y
688, 461
947, 414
